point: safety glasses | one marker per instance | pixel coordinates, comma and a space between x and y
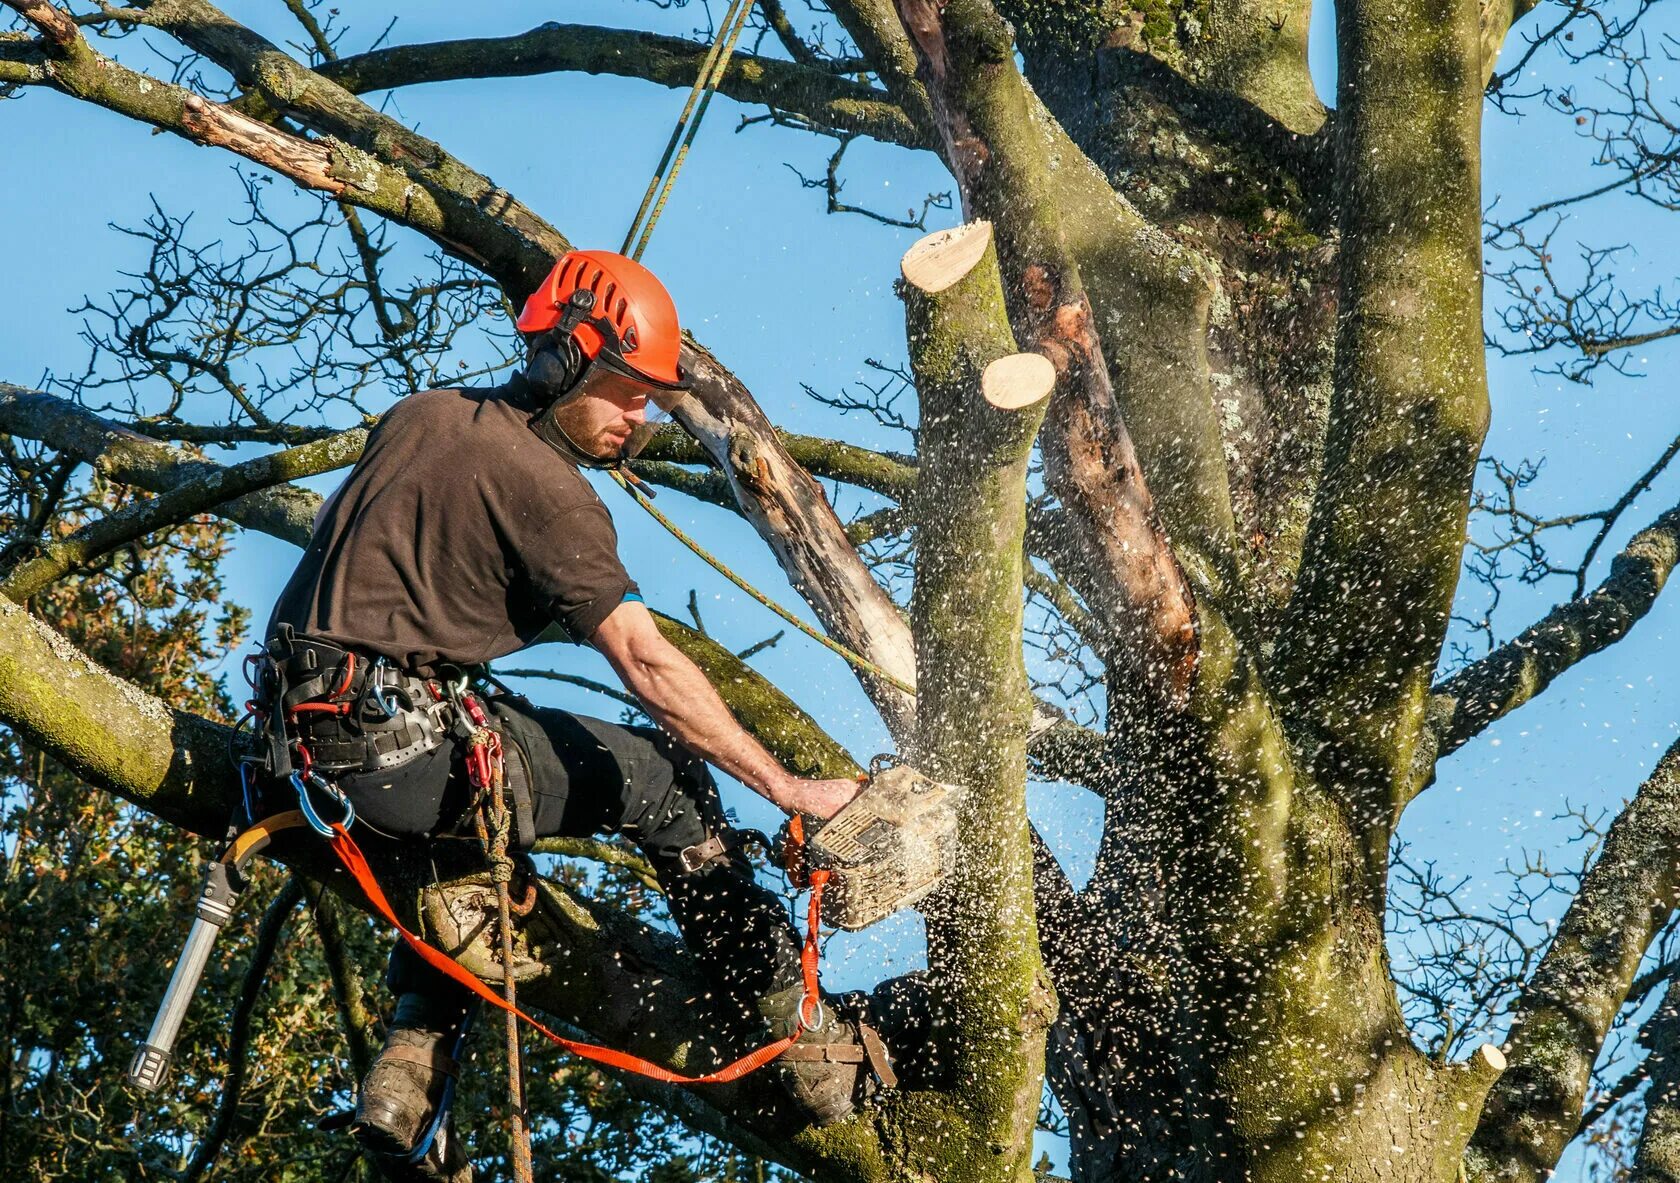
609, 379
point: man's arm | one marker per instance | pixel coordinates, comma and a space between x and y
679, 698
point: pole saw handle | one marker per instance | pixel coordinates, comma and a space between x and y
150, 1066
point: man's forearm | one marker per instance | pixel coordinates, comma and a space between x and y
684, 703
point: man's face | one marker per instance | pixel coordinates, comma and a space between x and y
600, 418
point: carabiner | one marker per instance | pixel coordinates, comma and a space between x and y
379, 690
308, 807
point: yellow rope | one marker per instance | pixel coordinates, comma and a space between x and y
854, 659
705, 84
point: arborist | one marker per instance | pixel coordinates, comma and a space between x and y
466, 532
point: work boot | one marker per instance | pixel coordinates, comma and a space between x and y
444, 1161
838, 1062
410, 1077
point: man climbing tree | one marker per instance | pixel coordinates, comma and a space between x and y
1200, 373
465, 532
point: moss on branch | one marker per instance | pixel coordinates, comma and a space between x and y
1359, 642
1576, 993
791, 735
973, 708
186, 499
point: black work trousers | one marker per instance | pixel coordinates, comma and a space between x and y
588, 777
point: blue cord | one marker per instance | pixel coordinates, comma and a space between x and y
447, 1099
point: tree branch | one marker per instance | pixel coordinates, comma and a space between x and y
1521, 669
981, 406
186, 499
452, 205
1657, 1159
360, 1026
128, 458
819, 95
606, 853
880, 472
981, 107
1574, 996
1363, 630
790, 513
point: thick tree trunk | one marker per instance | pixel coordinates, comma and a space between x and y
980, 408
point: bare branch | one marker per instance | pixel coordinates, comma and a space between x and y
818, 94
129, 458
1581, 983
1523, 667
186, 499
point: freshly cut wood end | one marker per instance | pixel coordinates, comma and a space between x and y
1017, 381
1491, 1057
939, 259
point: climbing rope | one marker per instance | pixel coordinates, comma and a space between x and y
856, 660
486, 770
688, 125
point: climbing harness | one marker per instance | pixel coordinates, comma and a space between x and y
325, 809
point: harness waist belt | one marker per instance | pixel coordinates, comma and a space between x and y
354, 712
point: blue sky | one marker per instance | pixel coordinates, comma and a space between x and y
788, 295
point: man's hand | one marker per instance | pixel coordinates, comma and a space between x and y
819, 798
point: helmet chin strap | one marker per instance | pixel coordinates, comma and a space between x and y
548, 429
554, 371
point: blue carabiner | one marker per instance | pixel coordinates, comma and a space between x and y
379, 698
247, 799
308, 807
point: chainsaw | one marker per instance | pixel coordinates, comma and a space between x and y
884, 850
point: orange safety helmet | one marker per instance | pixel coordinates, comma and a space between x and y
628, 315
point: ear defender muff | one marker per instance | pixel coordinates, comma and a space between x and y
554, 367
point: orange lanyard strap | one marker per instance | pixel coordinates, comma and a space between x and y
356, 863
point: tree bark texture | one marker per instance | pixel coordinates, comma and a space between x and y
1262, 327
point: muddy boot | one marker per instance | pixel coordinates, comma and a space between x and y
411, 1081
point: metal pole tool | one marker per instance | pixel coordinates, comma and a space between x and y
223, 883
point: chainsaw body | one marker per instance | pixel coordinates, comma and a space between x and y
886, 849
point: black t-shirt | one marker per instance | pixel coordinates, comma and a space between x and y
459, 537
